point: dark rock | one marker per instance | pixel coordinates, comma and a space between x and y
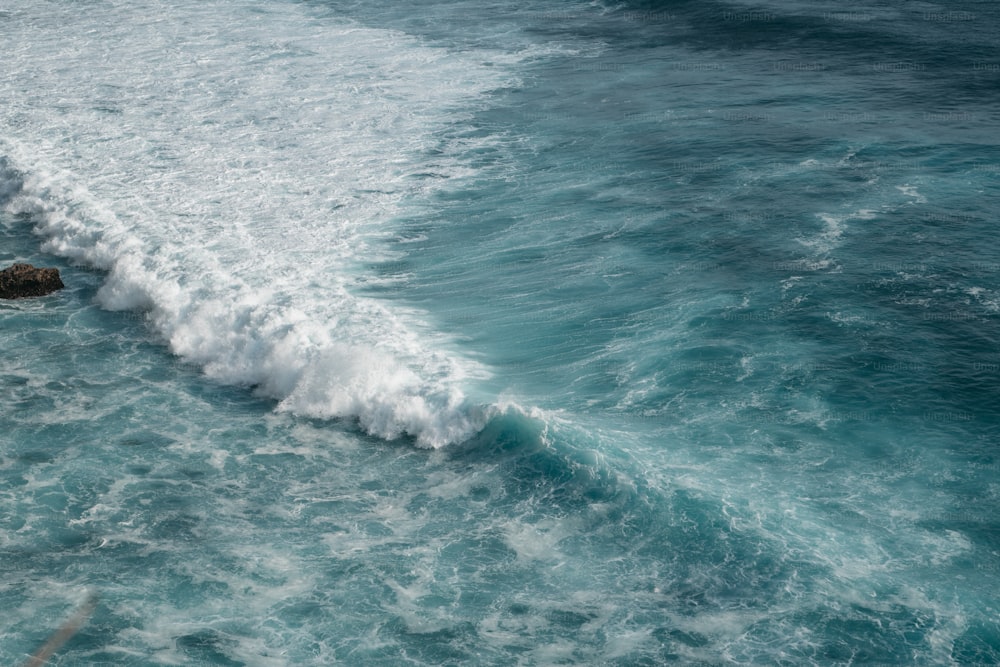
22, 280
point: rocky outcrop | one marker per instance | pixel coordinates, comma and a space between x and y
23, 280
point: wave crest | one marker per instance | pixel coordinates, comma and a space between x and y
356, 362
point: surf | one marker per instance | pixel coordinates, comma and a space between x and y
233, 174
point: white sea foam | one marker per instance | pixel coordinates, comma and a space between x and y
231, 168
911, 191
833, 229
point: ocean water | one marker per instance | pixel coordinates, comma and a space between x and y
590, 333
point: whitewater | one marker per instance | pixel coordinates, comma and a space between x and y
243, 259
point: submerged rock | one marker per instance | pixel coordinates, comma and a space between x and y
23, 280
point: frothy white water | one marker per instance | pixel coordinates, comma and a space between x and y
231, 165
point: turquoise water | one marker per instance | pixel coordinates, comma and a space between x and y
465, 334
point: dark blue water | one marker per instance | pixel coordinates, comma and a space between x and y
570, 333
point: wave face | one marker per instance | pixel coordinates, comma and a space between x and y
229, 170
